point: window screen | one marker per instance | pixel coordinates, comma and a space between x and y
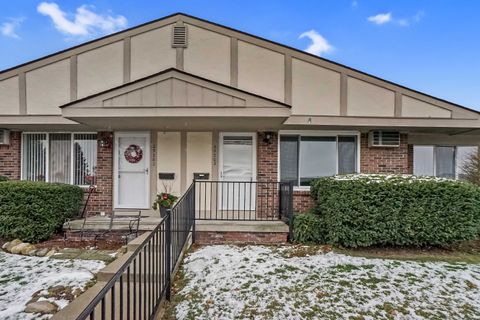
34, 156
318, 158
48, 157
289, 158
347, 155
445, 162
423, 161
84, 158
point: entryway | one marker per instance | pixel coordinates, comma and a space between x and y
131, 170
237, 166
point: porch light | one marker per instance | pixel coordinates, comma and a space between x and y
267, 137
105, 141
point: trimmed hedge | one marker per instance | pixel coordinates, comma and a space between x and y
3, 178
33, 211
368, 210
307, 228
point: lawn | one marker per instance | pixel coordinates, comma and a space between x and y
260, 282
21, 277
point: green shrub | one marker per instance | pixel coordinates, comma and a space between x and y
367, 210
3, 178
307, 228
33, 211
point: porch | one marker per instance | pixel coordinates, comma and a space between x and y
225, 212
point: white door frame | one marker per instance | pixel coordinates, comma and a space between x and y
254, 151
146, 157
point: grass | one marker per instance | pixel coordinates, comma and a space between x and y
232, 282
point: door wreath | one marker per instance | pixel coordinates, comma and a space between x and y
133, 153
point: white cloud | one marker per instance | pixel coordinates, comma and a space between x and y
9, 28
84, 22
384, 18
381, 18
319, 44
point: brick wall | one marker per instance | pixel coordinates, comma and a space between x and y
302, 201
10, 157
218, 237
267, 170
385, 160
102, 199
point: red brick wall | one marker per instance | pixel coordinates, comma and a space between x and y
10, 157
410, 159
102, 199
218, 237
384, 160
302, 202
267, 170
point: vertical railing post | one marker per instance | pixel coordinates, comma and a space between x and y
290, 210
168, 252
193, 209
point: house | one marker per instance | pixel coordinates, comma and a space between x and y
149, 109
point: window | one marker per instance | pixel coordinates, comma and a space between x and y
304, 158
59, 157
441, 161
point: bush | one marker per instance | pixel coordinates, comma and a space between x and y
33, 211
3, 178
367, 210
307, 229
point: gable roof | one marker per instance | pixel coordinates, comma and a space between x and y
222, 95
7, 73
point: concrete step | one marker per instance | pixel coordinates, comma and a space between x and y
241, 226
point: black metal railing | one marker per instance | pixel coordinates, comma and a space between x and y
136, 290
242, 200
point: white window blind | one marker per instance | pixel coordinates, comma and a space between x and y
59, 157
85, 158
34, 156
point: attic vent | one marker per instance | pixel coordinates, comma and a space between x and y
179, 37
384, 139
4, 137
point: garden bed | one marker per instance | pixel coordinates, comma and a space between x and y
300, 282
26, 279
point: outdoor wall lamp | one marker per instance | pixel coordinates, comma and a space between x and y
105, 141
267, 137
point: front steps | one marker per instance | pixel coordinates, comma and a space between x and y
240, 232
206, 231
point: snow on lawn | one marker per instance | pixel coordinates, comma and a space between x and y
258, 282
21, 277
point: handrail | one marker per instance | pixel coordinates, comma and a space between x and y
157, 254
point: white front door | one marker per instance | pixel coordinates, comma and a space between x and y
237, 164
132, 176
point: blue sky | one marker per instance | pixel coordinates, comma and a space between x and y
429, 45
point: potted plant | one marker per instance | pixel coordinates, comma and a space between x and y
163, 202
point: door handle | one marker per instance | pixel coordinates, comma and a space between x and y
146, 171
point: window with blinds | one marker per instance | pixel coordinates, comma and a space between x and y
59, 157
305, 158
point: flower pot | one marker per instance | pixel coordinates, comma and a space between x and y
163, 211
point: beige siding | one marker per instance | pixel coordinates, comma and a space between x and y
315, 90
100, 69
261, 71
366, 99
168, 160
152, 52
415, 108
199, 154
199, 160
48, 88
208, 54
9, 96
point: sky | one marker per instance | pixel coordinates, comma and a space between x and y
431, 46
